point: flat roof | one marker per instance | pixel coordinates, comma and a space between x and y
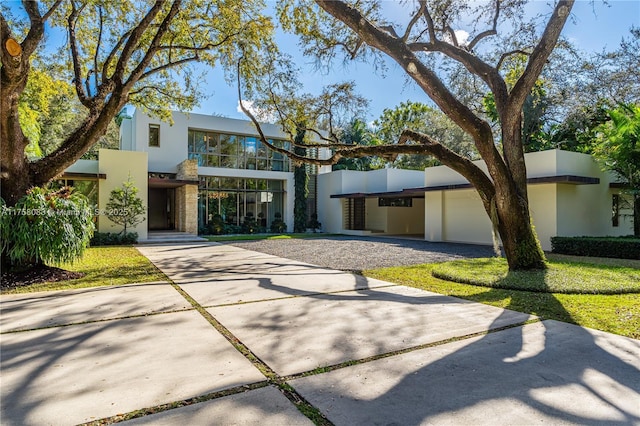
419, 192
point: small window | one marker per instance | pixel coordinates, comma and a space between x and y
154, 135
395, 202
615, 210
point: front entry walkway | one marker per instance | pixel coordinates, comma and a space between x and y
242, 337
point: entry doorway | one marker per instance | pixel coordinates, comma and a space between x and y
161, 209
355, 214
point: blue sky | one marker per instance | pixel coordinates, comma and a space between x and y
597, 26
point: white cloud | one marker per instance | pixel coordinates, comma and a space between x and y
260, 114
462, 36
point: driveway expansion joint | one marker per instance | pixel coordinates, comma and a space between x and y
329, 368
176, 404
297, 296
71, 324
313, 413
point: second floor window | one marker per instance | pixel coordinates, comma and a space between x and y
235, 152
154, 135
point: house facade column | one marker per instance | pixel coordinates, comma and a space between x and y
187, 198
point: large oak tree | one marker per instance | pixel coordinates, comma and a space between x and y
426, 45
119, 53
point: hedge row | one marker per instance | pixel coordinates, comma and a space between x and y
616, 247
113, 239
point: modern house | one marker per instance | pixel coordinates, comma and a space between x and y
201, 166
568, 196
194, 168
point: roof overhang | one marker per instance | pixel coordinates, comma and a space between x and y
170, 183
83, 176
419, 192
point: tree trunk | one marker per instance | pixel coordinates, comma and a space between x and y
519, 241
13, 162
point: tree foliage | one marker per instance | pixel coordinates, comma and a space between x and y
578, 131
613, 75
357, 133
126, 52
430, 47
424, 119
125, 207
49, 111
618, 150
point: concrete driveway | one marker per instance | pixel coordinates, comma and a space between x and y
240, 337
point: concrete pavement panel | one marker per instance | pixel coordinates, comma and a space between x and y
542, 373
264, 406
224, 274
239, 289
299, 334
46, 309
80, 373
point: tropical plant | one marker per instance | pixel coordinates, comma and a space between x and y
46, 227
357, 133
618, 150
301, 184
216, 225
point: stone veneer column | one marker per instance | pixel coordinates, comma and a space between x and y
186, 201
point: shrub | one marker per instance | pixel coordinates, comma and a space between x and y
232, 229
113, 239
313, 223
278, 226
46, 227
616, 247
216, 225
249, 225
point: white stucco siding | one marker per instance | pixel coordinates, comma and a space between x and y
406, 220
330, 209
376, 219
464, 218
118, 166
173, 141
543, 208
398, 180
433, 215
587, 210
173, 147
374, 181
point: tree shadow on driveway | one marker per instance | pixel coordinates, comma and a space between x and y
548, 371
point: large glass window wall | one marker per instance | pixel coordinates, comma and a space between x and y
234, 198
236, 152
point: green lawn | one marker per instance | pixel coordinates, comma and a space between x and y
560, 277
102, 266
248, 237
615, 313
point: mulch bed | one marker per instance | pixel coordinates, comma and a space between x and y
36, 274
